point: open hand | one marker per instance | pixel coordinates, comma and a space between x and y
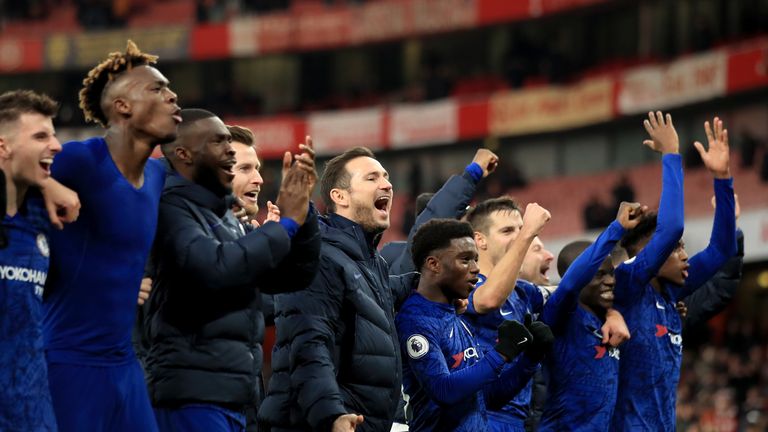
717, 157
663, 134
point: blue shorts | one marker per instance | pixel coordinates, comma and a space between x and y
199, 418
25, 402
101, 398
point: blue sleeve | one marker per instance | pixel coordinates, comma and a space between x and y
449, 202
722, 242
579, 274
533, 295
431, 369
669, 230
475, 171
402, 286
291, 226
510, 383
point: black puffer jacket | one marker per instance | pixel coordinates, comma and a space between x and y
336, 349
204, 323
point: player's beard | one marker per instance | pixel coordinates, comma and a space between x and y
364, 216
209, 178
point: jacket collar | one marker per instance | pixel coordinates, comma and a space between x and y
349, 236
200, 196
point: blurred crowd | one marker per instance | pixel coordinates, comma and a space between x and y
724, 385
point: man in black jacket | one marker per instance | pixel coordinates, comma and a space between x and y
204, 324
336, 364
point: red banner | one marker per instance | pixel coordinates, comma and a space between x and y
21, 54
495, 11
210, 42
275, 135
552, 108
421, 124
337, 131
748, 66
682, 82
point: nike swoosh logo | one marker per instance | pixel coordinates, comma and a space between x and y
659, 306
525, 339
358, 275
505, 313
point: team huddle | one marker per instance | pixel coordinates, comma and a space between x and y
134, 291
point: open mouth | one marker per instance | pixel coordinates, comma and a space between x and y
251, 196
607, 294
543, 271
382, 204
473, 281
227, 167
685, 272
177, 116
45, 164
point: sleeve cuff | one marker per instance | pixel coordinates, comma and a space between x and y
673, 157
727, 182
290, 226
474, 171
495, 360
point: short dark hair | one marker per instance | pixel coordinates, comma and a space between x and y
15, 103
569, 253
643, 230
422, 200
336, 176
437, 234
479, 216
188, 117
241, 134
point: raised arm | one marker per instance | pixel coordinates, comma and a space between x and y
670, 218
449, 202
583, 269
501, 281
722, 241
187, 238
298, 268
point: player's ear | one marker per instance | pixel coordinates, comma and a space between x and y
5, 151
432, 264
182, 154
122, 106
481, 241
340, 197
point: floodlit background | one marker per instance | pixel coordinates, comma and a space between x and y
558, 88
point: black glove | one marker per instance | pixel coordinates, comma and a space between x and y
513, 339
542, 339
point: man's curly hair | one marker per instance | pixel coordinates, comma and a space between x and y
104, 73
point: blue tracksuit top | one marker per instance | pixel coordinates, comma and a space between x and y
526, 298
650, 361
583, 373
445, 372
25, 402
